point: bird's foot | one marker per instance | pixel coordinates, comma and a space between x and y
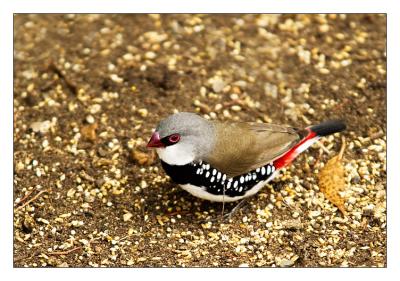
228, 216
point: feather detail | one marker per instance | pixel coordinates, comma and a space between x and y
311, 135
242, 147
289, 156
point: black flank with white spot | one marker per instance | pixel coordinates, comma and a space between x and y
201, 174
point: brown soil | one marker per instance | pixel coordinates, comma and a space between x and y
107, 200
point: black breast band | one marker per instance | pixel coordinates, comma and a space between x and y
201, 174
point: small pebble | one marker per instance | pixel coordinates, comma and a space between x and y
90, 119
236, 108
324, 28
285, 263
143, 112
150, 55
41, 127
94, 108
45, 143
116, 78
127, 216
218, 85
128, 57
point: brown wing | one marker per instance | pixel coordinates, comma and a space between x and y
242, 147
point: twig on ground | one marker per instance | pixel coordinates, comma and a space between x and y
323, 147
306, 120
25, 197
32, 199
342, 148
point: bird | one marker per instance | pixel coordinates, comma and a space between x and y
226, 161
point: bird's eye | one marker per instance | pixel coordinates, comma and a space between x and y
174, 138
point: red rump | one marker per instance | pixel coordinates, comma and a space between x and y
323, 129
290, 155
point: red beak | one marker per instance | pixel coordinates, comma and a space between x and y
155, 141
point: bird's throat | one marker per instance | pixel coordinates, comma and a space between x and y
175, 155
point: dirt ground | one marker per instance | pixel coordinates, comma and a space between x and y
88, 90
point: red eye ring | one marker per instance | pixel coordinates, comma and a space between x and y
174, 138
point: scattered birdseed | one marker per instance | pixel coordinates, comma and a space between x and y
150, 55
116, 79
90, 119
218, 84
143, 112
127, 216
108, 203
41, 126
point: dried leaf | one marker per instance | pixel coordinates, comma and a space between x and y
89, 132
143, 158
332, 180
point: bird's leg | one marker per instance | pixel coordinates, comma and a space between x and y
223, 204
229, 215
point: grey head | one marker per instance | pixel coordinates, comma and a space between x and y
183, 137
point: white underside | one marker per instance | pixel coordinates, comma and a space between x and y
306, 145
203, 194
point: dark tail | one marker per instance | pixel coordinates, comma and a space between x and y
328, 127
